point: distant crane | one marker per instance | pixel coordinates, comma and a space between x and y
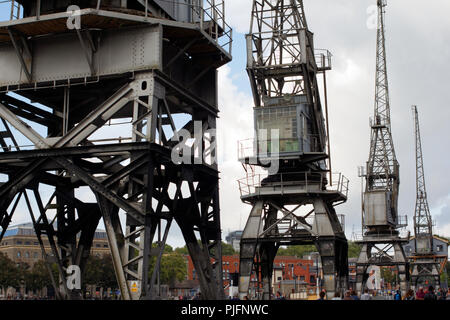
380, 217
424, 263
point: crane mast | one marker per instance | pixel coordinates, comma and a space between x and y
423, 226
381, 244
425, 262
382, 167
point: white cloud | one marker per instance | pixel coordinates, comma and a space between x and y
238, 13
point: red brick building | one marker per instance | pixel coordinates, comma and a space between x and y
287, 267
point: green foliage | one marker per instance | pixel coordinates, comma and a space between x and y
388, 275
297, 251
173, 267
38, 277
353, 249
300, 251
9, 272
182, 250
227, 249
99, 271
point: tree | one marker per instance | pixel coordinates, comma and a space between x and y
227, 249
182, 250
38, 277
353, 249
93, 271
388, 275
173, 268
297, 251
8, 272
99, 271
108, 279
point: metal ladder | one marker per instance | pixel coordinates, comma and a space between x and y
15, 10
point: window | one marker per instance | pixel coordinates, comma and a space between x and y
408, 249
312, 279
105, 246
302, 278
18, 241
97, 245
35, 243
27, 254
27, 243
440, 248
35, 255
18, 254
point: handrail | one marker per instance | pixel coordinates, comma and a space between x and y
312, 182
202, 12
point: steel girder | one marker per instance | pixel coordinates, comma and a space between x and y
378, 252
265, 232
134, 178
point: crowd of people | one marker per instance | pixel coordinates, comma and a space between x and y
421, 294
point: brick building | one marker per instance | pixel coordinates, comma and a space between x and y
20, 244
285, 268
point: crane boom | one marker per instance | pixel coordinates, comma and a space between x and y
423, 226
382, 167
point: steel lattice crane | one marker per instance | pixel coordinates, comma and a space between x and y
380, 219
382, 167
283, 67
423, 225
424, 263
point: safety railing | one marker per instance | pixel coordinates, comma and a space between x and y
212, 21
403, 233
209, 14
323, 59
402, 221
310, 182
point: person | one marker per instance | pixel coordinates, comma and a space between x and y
442, 294
430, 295
321, 295
235, 297
366, 295
448, 294
420, 295
409, 295
398, 295
337, 296
354, 295
348, 296
280, 296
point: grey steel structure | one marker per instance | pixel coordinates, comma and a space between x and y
100, 94
293, 205
425, 263
381, 243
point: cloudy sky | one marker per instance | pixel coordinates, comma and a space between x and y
418, 49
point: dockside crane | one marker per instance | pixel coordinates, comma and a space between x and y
293, 203
424, 263
380, 218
